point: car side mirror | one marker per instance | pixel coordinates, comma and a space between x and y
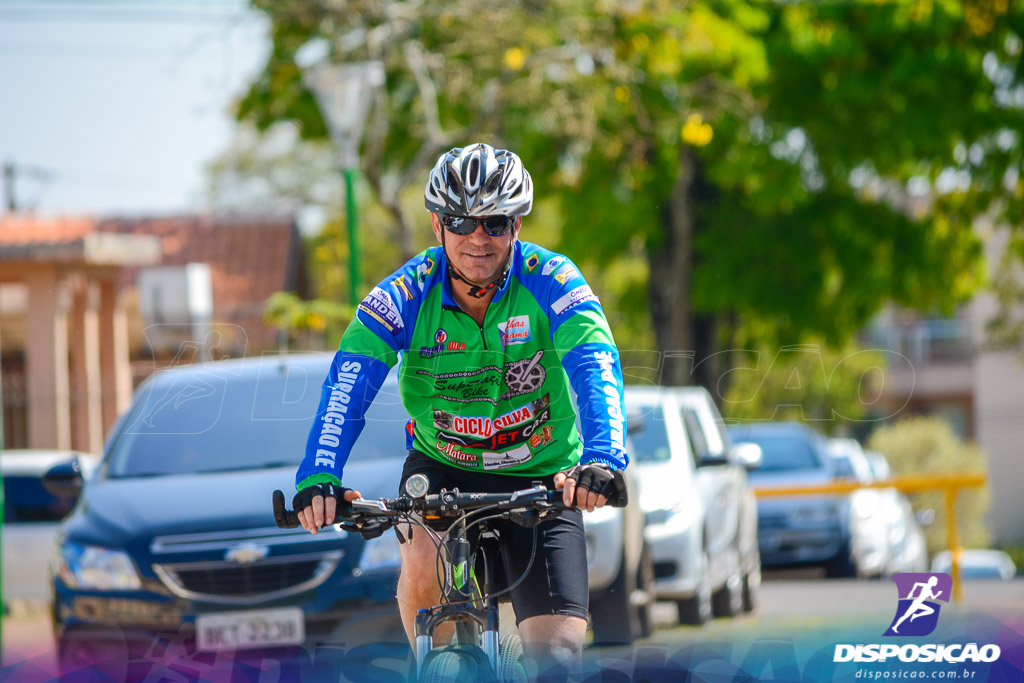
747, 454
65, 479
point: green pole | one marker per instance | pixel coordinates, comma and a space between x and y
353, 235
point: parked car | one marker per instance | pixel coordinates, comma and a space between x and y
976, 563
174, 533
701, 514
870, 524
908, 551
31, 517
803, 530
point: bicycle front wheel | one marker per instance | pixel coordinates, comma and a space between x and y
460, 664
510, 660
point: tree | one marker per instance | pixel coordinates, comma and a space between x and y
828, 388
928, 445
783, 169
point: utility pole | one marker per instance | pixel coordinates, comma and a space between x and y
9, 171
344, 94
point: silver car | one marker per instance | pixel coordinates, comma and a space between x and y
701, 514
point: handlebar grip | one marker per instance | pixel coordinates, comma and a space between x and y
283, 517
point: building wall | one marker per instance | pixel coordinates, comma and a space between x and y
999, 408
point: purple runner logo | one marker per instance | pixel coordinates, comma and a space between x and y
917, 613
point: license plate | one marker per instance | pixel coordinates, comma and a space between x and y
250, 628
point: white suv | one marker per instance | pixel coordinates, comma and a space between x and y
701, 514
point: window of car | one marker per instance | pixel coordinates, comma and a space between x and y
650, 436
202, 423
695, 435
716, 438
783, 453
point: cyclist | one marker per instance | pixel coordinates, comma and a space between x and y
493, 332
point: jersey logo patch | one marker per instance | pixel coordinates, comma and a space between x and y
456, 454
379, 305
515, 330
400, 281
423, 270
580, 295
541, 438
500, 461
552, 265
568, 273
532, 262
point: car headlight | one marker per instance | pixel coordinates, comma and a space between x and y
94, 568
381, 553
687, 508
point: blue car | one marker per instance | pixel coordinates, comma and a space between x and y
172, 546
806, 530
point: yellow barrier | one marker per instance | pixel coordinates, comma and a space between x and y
949, 484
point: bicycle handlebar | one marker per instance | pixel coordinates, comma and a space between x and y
385, 511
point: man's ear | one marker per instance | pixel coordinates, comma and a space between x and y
435, 224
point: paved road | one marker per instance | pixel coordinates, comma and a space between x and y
792, 608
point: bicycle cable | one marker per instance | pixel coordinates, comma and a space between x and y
509, 589
442, 551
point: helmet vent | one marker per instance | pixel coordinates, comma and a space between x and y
492, 183
453, 181
474, 172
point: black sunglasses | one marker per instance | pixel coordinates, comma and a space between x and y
495, 226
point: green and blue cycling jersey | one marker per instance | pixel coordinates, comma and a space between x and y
492, 398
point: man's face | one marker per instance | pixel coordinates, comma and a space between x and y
477, 256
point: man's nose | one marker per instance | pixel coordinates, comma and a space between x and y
479, 234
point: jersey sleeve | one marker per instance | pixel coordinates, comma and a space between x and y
584, 342
369, 349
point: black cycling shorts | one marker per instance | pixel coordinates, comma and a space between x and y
557, 582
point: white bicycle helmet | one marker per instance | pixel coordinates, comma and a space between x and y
479, 180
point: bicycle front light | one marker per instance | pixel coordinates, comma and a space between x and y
95, 568
380, 553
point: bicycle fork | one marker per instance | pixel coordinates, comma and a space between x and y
461, 585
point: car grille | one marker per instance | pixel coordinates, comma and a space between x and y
262, 581
247, 581
252, 577
765, 522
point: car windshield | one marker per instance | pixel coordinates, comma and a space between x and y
781, 453
201, 423
647, 430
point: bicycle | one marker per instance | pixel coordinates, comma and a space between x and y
479, 653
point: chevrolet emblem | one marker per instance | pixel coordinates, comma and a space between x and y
247, 553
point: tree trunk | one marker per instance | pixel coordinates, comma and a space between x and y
669, 290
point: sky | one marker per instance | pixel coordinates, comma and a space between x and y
114, 107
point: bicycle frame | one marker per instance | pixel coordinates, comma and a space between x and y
475, 617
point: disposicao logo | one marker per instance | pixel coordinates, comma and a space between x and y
917, 614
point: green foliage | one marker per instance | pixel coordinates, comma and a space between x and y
308, 324
809, 122
1016, 553
928, 445
829, 388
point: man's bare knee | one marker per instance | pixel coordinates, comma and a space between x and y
553, 643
